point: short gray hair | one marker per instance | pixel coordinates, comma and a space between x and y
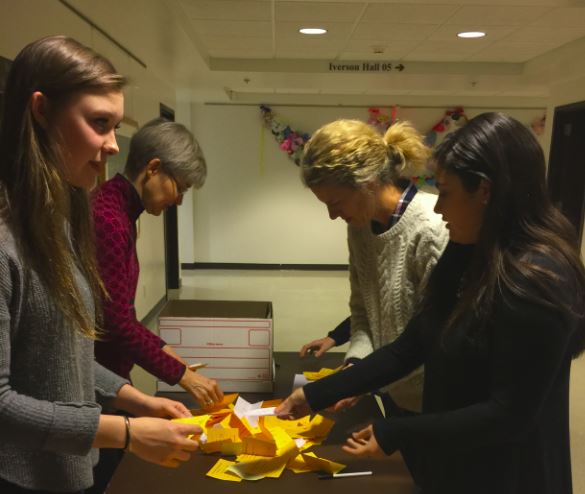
179, 152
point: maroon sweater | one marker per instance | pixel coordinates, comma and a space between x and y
116, 207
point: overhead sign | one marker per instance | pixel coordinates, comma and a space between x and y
365, 67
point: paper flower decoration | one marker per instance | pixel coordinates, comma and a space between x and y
289, 140
451, 121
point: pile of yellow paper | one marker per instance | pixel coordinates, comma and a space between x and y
263, 446
320, 374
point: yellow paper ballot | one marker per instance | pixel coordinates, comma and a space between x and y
268, 467
320, 374
284, 443
200, 420
293, 427
252, 467
297, 464
216, 437
321, 464
220, 471
259, 446
319, 427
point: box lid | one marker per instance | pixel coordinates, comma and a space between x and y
217, 308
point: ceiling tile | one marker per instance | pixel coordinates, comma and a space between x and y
444, 51
408, 14
233, 28
564, 17
240, 10
497, 15
364, 49
311, 12
218, 42
305, 47
380, 31
367, 44
546, 34
240, 53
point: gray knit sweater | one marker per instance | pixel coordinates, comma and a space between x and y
49, 384
389, 271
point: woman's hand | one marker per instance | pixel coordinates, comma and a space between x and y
161, 441
142, 405
163, 407
363, 443
294, 407
345, 403
206, 391
317, 347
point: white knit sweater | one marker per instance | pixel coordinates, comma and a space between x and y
389, 271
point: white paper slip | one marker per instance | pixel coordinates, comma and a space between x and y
260, 412
299, 381
345, 475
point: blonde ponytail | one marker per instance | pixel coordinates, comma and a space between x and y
352, 153
407, 151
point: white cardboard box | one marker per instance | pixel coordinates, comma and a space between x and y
234, 339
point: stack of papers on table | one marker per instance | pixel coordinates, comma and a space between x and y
263, 444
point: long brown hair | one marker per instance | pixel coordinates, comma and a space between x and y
520, 228
50, 219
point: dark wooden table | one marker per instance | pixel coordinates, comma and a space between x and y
390, 474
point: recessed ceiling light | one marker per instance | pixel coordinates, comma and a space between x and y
471, 34
312, 30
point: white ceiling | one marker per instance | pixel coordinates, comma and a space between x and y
405, 31
251, 51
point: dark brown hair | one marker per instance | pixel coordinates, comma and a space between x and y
49, 218
521, 226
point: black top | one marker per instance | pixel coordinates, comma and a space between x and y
495, 406
342, 332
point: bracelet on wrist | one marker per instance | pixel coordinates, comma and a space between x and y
128, 434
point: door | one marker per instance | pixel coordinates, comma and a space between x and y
171, 221
566, 171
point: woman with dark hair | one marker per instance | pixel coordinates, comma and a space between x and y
63, 104
501, 320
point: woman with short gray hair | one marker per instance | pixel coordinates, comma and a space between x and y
174, 146
164, 161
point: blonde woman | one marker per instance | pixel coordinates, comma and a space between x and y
395, 238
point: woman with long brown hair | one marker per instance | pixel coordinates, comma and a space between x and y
63, 103
502, 318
